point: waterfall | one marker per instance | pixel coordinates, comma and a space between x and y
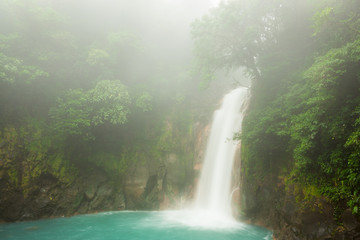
213, 193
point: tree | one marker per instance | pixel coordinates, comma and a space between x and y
79, 110
234, 35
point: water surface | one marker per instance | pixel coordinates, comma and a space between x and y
177, 225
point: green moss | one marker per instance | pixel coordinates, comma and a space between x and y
13, 176
113, 164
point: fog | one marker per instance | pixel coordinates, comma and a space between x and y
153, 38
163, 25
106, 86
145, 45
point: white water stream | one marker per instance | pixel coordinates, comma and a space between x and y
214, 190
212, 205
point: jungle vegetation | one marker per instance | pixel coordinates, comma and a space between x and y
88, 84
303, 57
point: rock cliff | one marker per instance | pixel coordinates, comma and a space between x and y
292, 213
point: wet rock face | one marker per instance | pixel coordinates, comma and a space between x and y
11, 206
49, 198
291, 216
143, 188
158, 186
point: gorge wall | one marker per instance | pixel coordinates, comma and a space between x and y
146, 184
291, 210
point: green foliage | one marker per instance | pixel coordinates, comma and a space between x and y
144, 102
72, 113
337, 22
78, 110
304, 112
234, 35
319, 127
352, 173
321, 18
12, 70
108, 101
97, 57
25, 156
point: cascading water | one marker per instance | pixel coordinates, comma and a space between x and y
212, 205
213, 195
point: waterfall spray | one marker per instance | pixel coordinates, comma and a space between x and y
214, 189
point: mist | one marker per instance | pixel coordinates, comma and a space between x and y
163, 26
108, 106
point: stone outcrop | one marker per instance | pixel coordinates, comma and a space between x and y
292, 215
